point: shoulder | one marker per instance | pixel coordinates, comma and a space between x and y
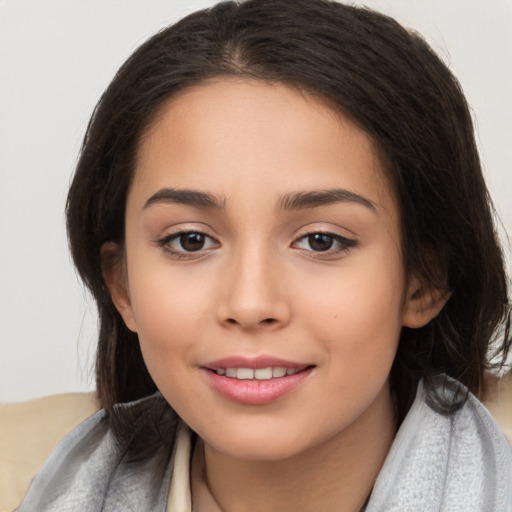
101, 466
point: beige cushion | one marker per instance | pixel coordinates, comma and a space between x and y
498, 399
29, 431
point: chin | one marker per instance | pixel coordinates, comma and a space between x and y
270, 444
269, 450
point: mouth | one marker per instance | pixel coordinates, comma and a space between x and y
256, 381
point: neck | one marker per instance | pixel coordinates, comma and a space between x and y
336, 476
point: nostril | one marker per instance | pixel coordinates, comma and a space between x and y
265, 321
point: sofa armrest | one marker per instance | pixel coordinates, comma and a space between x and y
29, 431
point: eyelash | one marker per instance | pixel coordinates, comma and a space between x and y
344, 244
165, 244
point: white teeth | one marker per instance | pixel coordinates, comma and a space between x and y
257, 374
245, 373
278, 372
263, 373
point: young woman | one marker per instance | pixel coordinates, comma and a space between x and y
280, 211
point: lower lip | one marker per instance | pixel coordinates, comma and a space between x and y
256, 392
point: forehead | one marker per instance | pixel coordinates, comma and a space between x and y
230, 133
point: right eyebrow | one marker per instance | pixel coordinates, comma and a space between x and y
189, 197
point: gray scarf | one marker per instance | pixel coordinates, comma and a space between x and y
456, 463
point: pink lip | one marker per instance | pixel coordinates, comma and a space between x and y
255, 392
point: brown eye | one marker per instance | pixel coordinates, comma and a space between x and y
320, 241
329, 243
186, 243
192, 241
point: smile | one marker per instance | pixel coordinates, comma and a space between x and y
255, 381
257, 373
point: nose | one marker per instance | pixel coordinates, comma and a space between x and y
253, 292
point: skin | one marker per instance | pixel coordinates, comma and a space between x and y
258, 287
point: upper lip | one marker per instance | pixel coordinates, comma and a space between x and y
253, 362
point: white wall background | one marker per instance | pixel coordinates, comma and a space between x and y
57, 56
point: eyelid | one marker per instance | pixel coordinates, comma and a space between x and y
346, 243
341, 243
165, 241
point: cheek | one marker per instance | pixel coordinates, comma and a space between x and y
161, 295
358, 315
169, 311
168, 322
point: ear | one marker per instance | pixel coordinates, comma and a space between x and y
114, 272
422, 303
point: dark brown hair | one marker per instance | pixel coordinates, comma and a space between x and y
384, 78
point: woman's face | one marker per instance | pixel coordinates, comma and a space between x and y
264, 269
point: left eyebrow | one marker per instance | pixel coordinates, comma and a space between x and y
316, 198
194, 198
